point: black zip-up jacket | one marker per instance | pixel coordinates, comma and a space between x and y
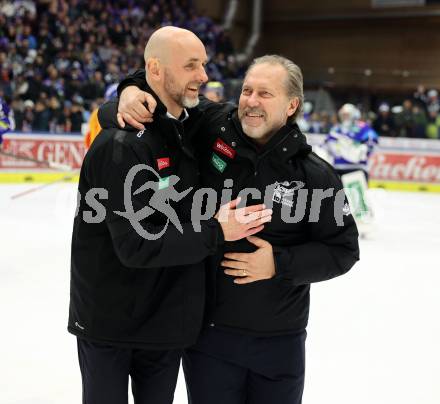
125, 289
311, 250
305, 252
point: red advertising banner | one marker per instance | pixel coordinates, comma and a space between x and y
401, 160
409, 167
61, 149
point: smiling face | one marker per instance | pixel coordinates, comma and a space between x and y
175, 63
185, 74
264, 105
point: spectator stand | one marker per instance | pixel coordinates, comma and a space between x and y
58, 58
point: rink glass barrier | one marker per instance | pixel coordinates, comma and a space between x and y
397, 164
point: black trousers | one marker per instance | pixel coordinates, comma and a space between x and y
238, 369
105, 370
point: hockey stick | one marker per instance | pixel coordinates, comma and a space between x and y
42, 186
50, 164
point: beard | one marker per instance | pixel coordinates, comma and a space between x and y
189, 102
254, 132
177, 93
263, 132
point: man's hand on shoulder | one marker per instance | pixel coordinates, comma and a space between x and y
132, 108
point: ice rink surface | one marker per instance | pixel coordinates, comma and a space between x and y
373, 335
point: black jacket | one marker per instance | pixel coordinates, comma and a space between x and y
305, 252
125, 289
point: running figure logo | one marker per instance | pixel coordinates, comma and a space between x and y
159, 201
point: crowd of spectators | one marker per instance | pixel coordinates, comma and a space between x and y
417, 116
58, 58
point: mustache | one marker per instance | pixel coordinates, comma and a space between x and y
254, 111
194, 84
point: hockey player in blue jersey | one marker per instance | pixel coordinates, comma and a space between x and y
351, 142
6, 121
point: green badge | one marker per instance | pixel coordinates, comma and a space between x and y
164, 182
218, 163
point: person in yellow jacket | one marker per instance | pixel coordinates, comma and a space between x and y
94, 128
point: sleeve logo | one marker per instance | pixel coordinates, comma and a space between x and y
162, 163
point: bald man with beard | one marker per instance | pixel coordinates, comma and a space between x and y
137, 299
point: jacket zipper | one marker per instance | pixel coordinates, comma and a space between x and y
259, 157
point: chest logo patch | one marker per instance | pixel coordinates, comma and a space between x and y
283, 192
218, 163
162, 163
164, 182
224, 148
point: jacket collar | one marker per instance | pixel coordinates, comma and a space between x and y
161, 109
182, 118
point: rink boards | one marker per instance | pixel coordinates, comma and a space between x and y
68, 150
397, 164
401, 164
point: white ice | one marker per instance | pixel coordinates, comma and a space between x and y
373, 335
